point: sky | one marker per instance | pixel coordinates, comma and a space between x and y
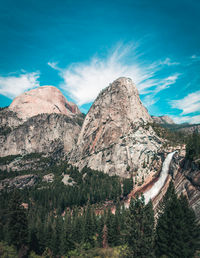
81, 47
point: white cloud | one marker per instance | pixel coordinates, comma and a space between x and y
168, 62
149, 100
188, 104
54, 65
83, 81
165, 83
12, 86
186, 119
195, 58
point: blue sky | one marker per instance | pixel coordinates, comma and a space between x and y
82, 46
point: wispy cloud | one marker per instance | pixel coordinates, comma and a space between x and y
54, 65
149, 100
189, 104
195, 57
12, 86
155, 85
186, 119
83, 81
169, 62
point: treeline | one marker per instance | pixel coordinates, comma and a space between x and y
82, 230
88, 186
193, 147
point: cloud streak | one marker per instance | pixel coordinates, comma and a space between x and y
83, 81
186, 119
189, 104
168, 62
12, 86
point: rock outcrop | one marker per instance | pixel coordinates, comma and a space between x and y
39, 121
116, 136
186, 179
19, 182
162, 120
42, 133
45, 99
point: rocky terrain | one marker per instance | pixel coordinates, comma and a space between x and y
186, 178
116, 136
162, 120
33, 124
19, 182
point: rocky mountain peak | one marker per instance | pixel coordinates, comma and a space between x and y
109, 129
120, 101
45, 99
162, 120
116, 109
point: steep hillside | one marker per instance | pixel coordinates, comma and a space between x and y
116, 137
39, 121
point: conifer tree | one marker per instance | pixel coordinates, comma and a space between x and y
177, 233
17, 222
140, 225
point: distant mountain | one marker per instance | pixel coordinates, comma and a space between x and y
162, 120
167, 122
39, 121
185, 128
45, 99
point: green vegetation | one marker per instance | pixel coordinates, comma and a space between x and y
177, 233
172, 136
8, 159
193, 147
46, 230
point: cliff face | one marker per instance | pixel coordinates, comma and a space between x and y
115, 136
186, 177
39, 121
42, 133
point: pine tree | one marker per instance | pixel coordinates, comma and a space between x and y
17, 222
140, 225
177, 232
148, 230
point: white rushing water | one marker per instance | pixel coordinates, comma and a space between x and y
155, 189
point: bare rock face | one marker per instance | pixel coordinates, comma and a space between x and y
45, 99
39, 121
162, 120
116, 137
187, 181
44, 133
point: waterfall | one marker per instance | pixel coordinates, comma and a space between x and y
155, 189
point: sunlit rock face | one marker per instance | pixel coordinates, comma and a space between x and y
116, 136
40, 120
45, 99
